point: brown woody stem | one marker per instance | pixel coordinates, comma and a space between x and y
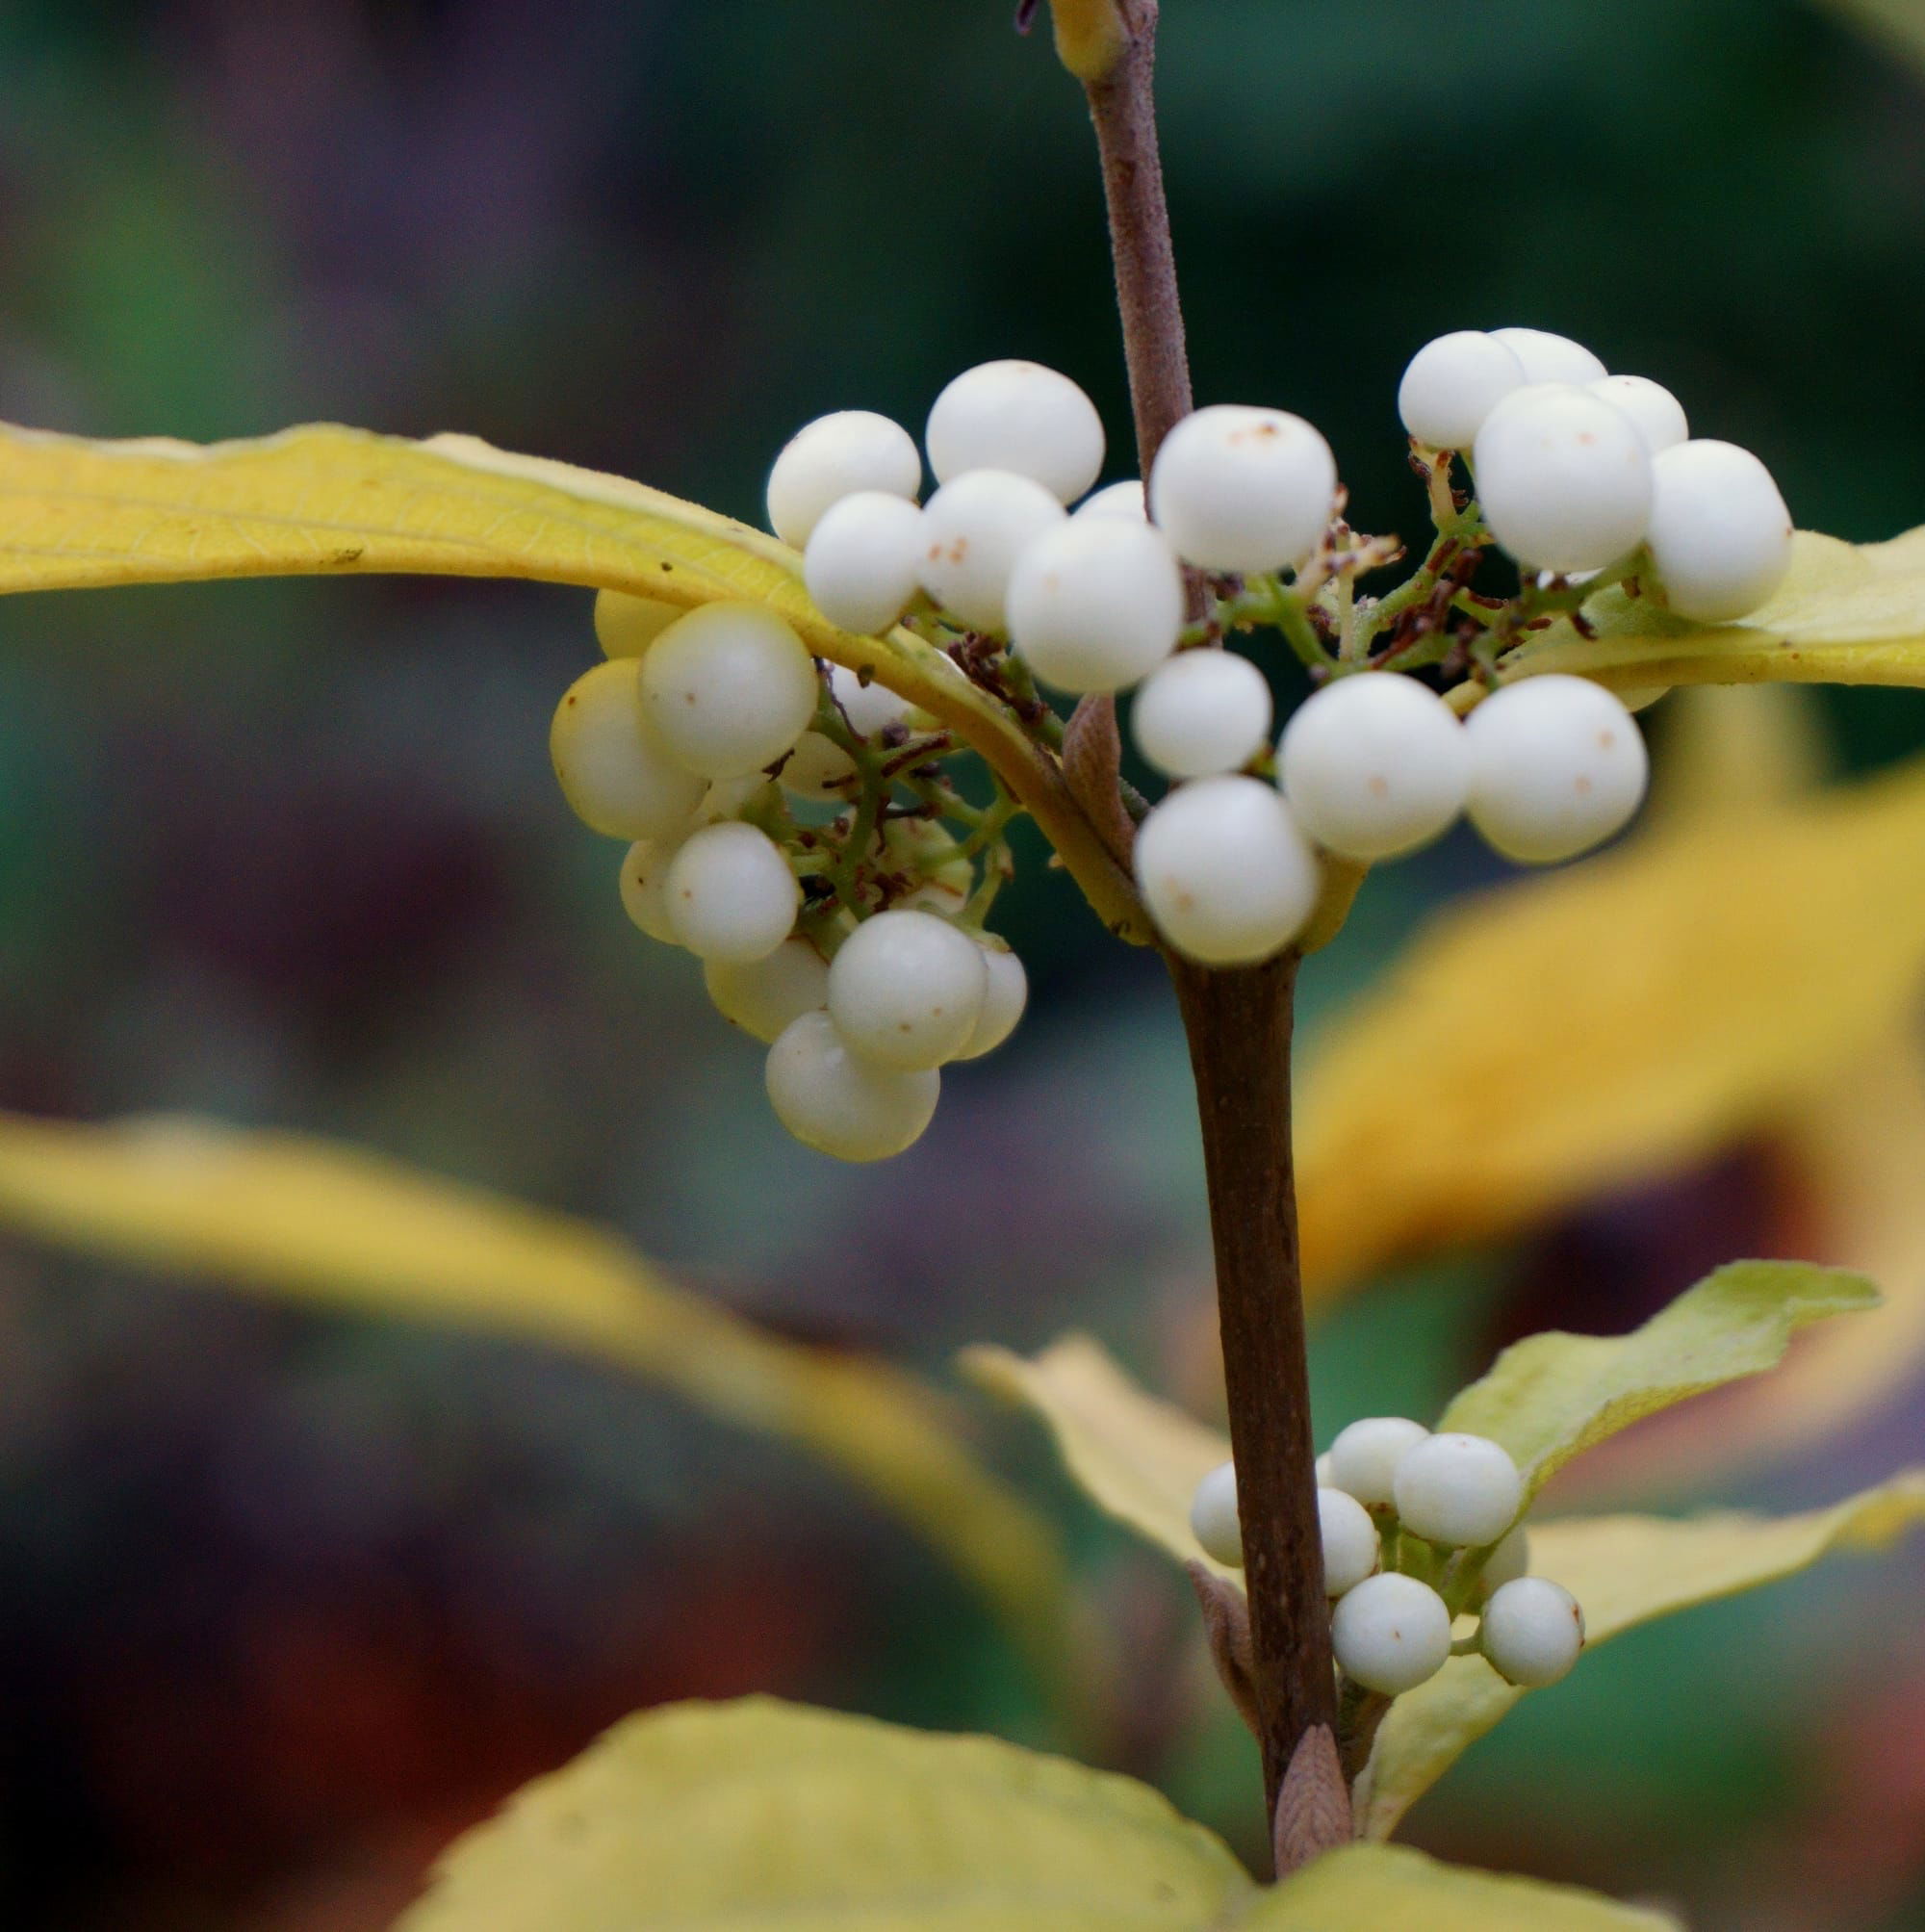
1122, 104
1239, 1026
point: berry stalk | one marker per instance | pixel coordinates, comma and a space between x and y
1237, 1023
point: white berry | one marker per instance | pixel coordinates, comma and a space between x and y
924, 850
1531, 1632
1720, 534
731, 894
834, 457
906, 989
1017, 416
840, 1104
1461, 1490
1453, 383
1242, 489
974, 530
1127, 499
762, 996
644, 885
1508, 1561
863, 562
730, 688
1563, 477
733, 798
1550, 358
1375, 765
1004, 995
1097, 605
1391, 1634
1325, 1479
820, 768
1227, 876
1212, 1516
1558, 765
1363, 1458
625, 626
1200, 713
1658, 415
1349, 1541
616, 771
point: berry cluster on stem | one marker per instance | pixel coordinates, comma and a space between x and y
1418, 1532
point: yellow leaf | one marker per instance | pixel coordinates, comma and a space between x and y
339, 1228
760, 1816
1365, 1886
1625, 1571
323, 501
768, 1818
1137, 1458
1585, 1029
1553, 1396
1846, 614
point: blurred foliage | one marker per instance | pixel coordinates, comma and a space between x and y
338, 1229
285, 1603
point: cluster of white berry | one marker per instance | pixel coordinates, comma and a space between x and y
1445, 1509
1576, 469
787, 817
1371, 767
672, 744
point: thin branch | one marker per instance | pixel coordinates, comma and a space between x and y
1122, 105
1239, 1025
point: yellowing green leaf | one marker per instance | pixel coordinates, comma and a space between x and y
1369, 1885
1846, 614
1137, 1458
339, 1228
760, 1816
1584, 1029
1625, 1571
1550, 1397
768, 1817
323, 501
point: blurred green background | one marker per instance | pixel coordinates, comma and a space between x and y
284, 1603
